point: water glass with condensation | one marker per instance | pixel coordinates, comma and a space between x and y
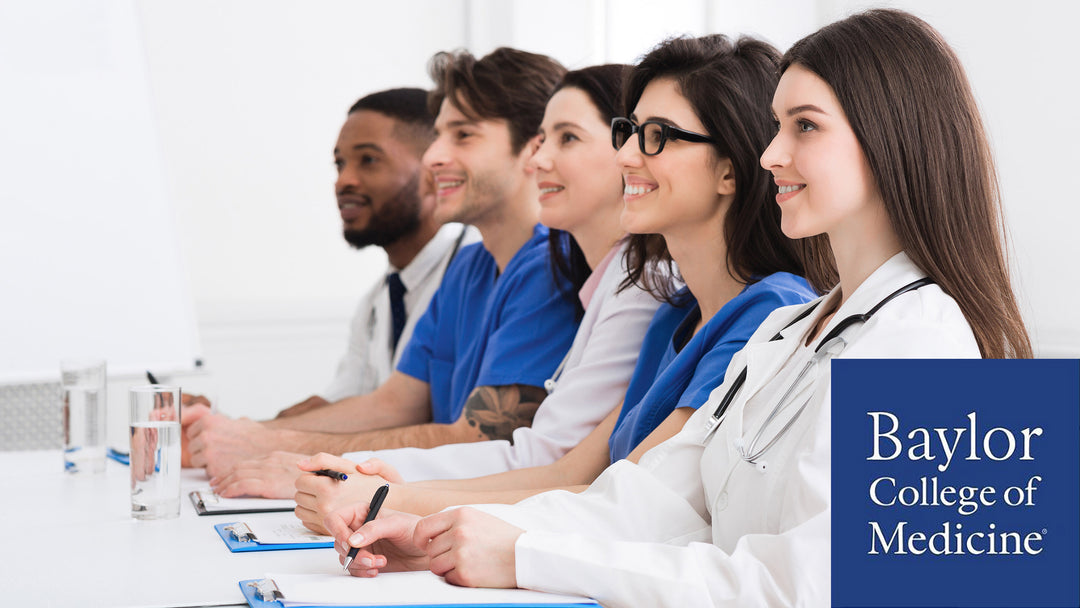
83, 413
155, 451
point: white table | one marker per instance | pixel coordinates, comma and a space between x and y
69, 540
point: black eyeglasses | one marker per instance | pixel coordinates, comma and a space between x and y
652, 135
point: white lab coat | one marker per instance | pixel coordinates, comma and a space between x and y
694, 524
598, 368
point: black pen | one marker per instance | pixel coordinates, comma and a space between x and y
332, 473
159, 399
373, 510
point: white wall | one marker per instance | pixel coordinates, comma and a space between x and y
1019, 59
249, 95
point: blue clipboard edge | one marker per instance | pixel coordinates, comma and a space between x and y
248, 589
122, 457
237, 546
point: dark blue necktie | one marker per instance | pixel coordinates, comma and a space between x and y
397, 305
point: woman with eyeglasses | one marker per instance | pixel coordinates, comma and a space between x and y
695, 197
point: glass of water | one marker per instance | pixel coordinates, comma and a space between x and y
155, 452
83, 384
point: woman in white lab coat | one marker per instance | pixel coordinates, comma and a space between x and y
720, 514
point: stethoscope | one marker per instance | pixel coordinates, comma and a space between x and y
829, 346
553, 381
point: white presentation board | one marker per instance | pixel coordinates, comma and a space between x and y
89, 255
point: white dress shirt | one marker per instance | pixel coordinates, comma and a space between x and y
596, 373
694, 524
370, 357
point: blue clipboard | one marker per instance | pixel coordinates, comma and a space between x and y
243, 546
249, 589
122, 457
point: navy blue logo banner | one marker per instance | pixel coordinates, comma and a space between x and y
955, 482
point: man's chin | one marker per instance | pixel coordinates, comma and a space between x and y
447, 212
359, 239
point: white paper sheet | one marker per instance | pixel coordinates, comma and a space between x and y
284, 531
212, 502
400, 589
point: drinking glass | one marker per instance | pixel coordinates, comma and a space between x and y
83, 403
155, 451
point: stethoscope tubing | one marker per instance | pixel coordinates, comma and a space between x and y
749, 454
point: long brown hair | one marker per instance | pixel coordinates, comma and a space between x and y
909, 103
729, 85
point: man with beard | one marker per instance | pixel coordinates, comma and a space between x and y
386, 199
476, 365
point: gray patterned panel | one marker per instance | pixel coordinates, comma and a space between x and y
30, 416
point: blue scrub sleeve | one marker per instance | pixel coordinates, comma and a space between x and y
535, 332
726, 334
761, 299
709, 374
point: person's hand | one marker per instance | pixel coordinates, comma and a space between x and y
317, 496
375, 466
271, 476
189, 399
469, 547
219, 444
386, 543
188, 415
143, 457
144, 440
311, 403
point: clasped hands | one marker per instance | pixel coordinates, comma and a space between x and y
464, 545
220, 444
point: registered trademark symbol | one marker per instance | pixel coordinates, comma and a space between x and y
1044, 530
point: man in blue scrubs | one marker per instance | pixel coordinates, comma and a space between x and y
497, 327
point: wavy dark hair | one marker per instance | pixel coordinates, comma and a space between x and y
602, 84
931, 159
505, 84
729, 85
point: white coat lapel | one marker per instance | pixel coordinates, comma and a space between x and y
764, 359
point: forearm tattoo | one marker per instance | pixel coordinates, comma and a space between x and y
495, 411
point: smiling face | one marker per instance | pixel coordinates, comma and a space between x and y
378, 183
575, 164
825, 184
473, 166
684, 188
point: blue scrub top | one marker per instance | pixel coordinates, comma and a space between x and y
668, 376
484, 328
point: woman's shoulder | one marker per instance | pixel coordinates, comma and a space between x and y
924, 323
759, 301
789, 288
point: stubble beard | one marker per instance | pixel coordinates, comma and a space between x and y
395, 219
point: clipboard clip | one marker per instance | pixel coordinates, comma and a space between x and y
241, 532
203, 500
267, 590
